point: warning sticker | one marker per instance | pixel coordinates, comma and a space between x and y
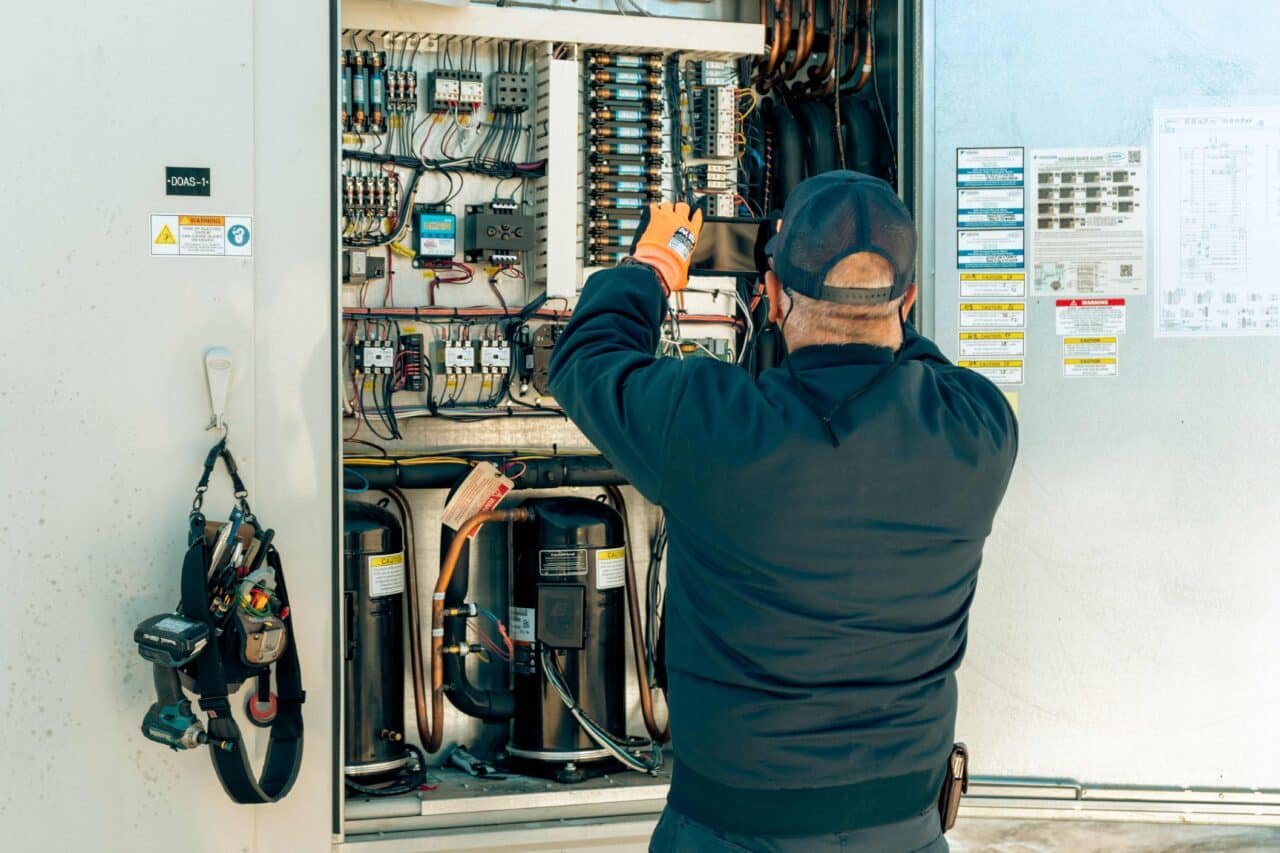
992, 343
386, 575
999, 371
481, 491
520, 624
611, 568
1090, 347
1088, 317
1091, 367
993, 285
201, 235
993, 315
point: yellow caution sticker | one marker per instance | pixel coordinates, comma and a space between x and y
165, 237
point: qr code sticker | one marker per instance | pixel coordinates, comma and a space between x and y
1126, 270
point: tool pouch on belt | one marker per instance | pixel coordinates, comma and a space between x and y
954, 784
232, 625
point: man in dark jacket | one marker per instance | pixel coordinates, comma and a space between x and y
826, 525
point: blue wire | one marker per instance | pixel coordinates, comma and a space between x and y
354, 473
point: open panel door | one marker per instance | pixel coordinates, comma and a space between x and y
1122, 648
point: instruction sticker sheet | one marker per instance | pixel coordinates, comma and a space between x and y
1089, 231
1217, 221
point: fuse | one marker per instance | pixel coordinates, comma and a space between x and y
627, 78
628, 170
377, 92
614, 224
346, 90
612, 240
626, 115
618, 186
626, 93
627, 149
627, 132
359, 93
622, 60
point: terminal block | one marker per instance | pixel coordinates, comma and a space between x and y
510, 93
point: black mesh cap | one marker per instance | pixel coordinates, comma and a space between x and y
834, 215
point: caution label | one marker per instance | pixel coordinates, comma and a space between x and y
993, 315
1079, 367
993, 285
611, 568
1000, 371
520, 624
992, 343
201, 235
386, 575
1089, 317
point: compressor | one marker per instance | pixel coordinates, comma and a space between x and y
567, 624
373, 604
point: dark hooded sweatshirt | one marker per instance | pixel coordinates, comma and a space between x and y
817, 596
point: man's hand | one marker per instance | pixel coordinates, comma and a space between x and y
665, 240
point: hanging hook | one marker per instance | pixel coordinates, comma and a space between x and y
217, 371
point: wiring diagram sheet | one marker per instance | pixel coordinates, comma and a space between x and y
1090, 234
1217, 221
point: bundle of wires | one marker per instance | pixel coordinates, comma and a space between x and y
630, 751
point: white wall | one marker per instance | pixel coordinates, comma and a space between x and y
104, 403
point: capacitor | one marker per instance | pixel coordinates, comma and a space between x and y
629, 115
623, 60
627, 149
626, 93
627, 170
359, 93
346, 90
627, 131
627, 77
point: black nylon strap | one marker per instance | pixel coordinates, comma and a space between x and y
230, 759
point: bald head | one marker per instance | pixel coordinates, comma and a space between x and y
811, 322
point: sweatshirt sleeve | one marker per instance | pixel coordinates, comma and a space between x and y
605, 375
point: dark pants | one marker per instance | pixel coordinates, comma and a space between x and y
920, 834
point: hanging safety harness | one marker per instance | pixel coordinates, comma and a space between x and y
232, 624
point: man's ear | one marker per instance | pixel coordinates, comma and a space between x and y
909, 298
773, 289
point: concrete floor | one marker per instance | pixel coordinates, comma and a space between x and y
1053, 836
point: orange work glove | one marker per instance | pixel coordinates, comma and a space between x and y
665, 240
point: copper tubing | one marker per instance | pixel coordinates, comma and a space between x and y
778, 47
430, 726
663, 734
804, 42
447, 565
821, 80
861, 23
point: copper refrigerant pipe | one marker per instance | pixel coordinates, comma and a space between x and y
821, 80
781, 40
447, 565
663, 734
804, 39
430, 725
861, 23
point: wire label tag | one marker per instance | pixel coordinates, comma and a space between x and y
482, 490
